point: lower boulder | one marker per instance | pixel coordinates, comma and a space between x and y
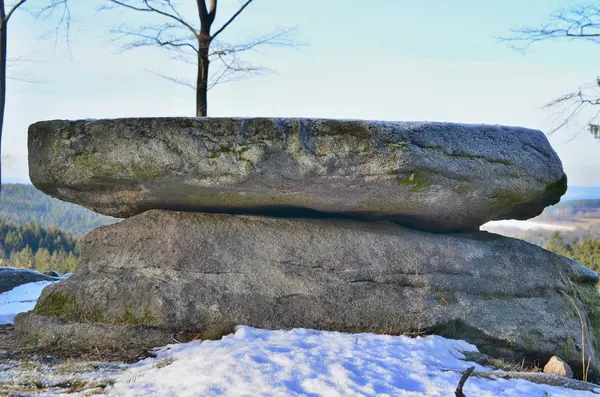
162, 276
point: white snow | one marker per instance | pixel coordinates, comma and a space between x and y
524, 225
20, 299
301, 362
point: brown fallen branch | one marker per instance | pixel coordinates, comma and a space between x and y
461, 383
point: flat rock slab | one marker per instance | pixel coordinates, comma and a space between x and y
433, 176
164, 274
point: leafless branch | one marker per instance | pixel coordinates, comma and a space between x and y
577, 22
570, 106
227, 72
48, 11
175, 80
174, 15
463, 380
277, 38
12, 9
580, 22
246, 4
162, 36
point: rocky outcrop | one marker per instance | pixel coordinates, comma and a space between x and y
165, 273
11, 277
433, 176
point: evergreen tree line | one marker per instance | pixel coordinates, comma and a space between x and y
22, 204
586, 251
34, 247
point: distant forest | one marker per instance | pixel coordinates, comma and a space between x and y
37, 248
22, 204
43, 233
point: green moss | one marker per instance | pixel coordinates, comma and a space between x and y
557, 188
339, 138
567, 349
462, 189
129, 318
56, 304
588, 295
97, 167
506, 198
176, 150
69, 131
92, 317
145, 172
418, 180
59, 305
397, 145
495, 296
529, 340
54, 143
226, 149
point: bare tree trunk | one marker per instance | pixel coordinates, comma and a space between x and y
3, 55
202, 82
202, 87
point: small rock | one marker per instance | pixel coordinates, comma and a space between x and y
557, 366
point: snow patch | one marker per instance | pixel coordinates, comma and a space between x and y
301, 362
20, 299
524, 225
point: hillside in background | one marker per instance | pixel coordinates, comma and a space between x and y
38, 248
575, 220
21, 204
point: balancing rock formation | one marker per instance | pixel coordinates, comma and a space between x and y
341, 225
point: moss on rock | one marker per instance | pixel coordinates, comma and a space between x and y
418, 180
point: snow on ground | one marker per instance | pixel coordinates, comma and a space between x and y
255, 362
20, 299
308, 363
524, 225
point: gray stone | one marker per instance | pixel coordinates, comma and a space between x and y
11, 277
52, 273
433, 176
558, 366
203, 274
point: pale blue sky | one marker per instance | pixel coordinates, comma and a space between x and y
382, 59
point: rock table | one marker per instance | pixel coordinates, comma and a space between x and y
309, 223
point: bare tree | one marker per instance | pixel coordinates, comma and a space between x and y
7, 10
578, 22
198, 46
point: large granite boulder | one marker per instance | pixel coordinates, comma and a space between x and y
434, 176
11, 277
166, 275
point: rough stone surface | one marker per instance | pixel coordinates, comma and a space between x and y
434, 176
202, 274
558, 366
11, 277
